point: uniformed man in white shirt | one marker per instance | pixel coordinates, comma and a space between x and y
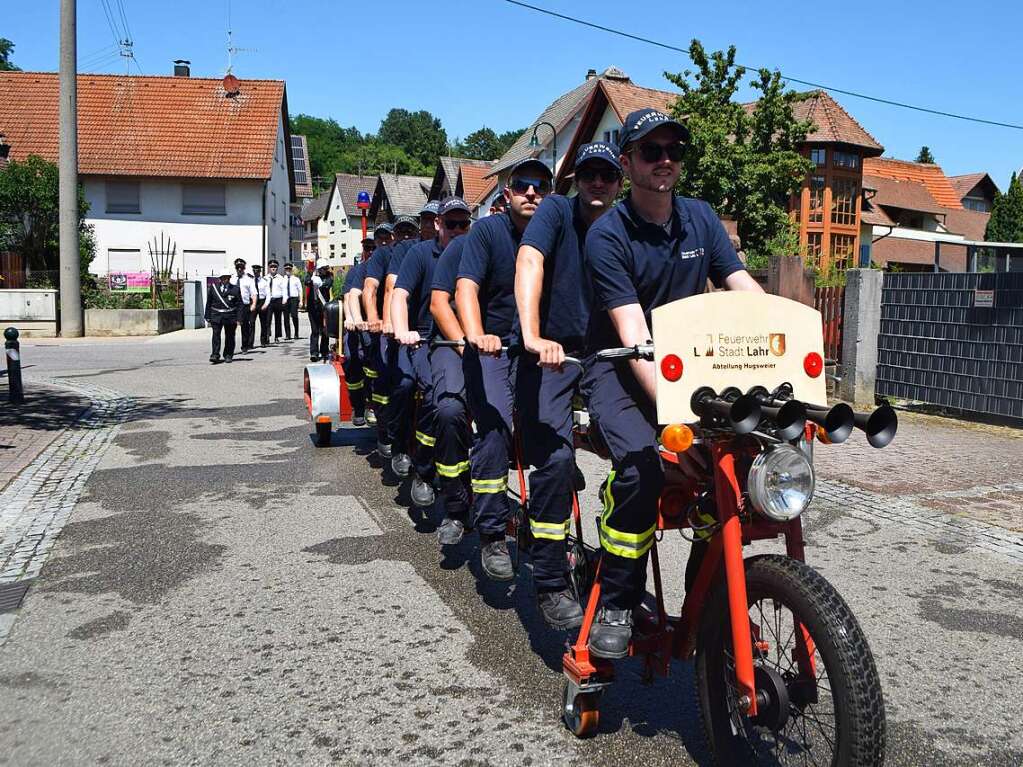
263, 304
292, 296
278, 288
247, 307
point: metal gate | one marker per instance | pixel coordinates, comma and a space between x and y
954, 340
830, 302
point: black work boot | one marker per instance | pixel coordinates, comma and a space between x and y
611, 632
421, 492
560, 609
495, 558
357, 420
450, 532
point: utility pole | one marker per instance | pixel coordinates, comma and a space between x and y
70, 261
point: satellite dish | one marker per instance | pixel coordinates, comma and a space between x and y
231, 85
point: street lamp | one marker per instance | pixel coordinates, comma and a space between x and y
534, 143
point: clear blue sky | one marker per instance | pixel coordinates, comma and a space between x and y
473, 62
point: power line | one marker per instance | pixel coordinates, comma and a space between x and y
844, 92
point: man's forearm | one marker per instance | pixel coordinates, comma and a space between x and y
447, 322
528, 288
742, 280
467, 303
632, 328
355, 305
399, 311
388, 295
369, 299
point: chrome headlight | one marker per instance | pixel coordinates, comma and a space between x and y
781, 483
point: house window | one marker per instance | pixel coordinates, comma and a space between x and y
611, 136
273, 207
842, 250
843, 200
813, 248
819, 157
845, 160
976, 203
816, 200
203, 200
123, 197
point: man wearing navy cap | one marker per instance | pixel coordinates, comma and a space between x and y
398, 413
651, 249
485, 297
453, 433
377, 314
554, 296
412, 294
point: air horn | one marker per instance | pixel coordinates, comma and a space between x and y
789, 418
741, 412
879, 426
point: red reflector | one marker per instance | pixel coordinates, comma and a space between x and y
813, 364
671, 367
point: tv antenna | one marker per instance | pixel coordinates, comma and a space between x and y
232, 49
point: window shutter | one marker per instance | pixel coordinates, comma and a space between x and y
123, 197
203, 199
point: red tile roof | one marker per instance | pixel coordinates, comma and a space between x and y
931, 176
149, 126
900, 193
475, 184
625, 97
833, 125
971, 224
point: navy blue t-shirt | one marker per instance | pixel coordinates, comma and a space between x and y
488, 259
376, 268
354, 278
398, 252
445, 273
416, 276
558, 231
632, 261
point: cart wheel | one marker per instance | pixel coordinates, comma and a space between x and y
581, 714
323, 432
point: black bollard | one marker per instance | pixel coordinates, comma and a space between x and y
13, 352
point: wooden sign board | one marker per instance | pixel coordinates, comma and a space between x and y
735, 339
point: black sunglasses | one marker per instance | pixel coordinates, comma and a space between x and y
607, 175
652, 152
521, 184
462, 224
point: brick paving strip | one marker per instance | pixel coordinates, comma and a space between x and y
36, 504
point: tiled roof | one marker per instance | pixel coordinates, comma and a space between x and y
349, 185
965, 184
931, 176
875, 215
448, 169
557, 114
908, 195
832, 124
406, 194
316, 207
903, 251
474, 183
626, 97
149, 126
971, 224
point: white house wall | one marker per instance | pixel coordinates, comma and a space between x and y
202, 243
339, 236
278, 194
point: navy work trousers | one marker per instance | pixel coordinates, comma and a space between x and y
414, 375
451, 431
490, 390
626, 419
544, 410
355, 377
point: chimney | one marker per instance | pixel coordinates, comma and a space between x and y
591, 73
181, 68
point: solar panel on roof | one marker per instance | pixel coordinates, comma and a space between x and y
296, 141
299, 162
300, 177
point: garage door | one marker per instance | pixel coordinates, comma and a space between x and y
196, 264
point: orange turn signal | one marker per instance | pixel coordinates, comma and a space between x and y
822, 435
677, 437
323, 419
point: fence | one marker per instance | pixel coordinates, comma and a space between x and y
954, 340
830, 302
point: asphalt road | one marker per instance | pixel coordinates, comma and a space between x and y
226, 593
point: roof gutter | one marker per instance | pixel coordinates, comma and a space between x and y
266, 234
886, 234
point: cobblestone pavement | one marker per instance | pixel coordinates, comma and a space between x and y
37, 502
225, 593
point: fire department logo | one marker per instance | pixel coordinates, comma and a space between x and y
777, 344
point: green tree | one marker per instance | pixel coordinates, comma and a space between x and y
29, 216
924, 155
328, 142
482, 144
744, 162
6, 50
377, 157
419, 133
1006, 222
508, 138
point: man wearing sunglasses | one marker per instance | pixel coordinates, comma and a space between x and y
553, 295
399, 408
412, 294
485, 298
454, 435
379, 322
651, 249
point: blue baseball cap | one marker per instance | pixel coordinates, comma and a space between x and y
531, 162
639, 123
431, 208
452, 203
406, 220
385, 227
597, 150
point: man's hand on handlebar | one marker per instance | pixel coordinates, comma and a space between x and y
551, 353
374, 326
387, 328
486, 344
408, 338
362, 326
349, 325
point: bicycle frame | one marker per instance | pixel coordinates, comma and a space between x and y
660, 637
